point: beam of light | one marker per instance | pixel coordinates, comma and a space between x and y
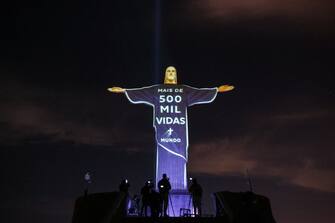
157, 30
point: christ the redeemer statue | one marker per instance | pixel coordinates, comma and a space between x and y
170, 101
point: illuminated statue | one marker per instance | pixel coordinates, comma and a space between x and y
170, 102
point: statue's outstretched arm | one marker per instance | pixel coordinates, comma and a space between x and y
116, 90
224, 88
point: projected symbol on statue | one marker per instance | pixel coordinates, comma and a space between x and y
169, 132
170, 102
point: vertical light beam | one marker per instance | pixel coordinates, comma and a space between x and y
157, 32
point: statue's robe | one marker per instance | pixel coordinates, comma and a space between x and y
170, 102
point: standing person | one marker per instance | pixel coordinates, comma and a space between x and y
124, 195
196, 192
155, 204
124, 186
145, 192
164, 188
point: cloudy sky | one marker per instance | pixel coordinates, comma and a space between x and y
57, 120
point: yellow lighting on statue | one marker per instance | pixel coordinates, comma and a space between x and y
170, 75
224, 88
116, 90
171, 78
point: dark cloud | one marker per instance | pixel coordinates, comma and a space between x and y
293, 146
303, 11
46, 115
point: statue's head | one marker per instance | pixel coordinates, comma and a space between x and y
170, 75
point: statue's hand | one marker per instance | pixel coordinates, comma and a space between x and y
224, 88
116, 90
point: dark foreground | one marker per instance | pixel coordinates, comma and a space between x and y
241, 207
175, 220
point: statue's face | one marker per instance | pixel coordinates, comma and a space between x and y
170, 75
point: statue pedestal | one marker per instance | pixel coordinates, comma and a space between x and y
179, 202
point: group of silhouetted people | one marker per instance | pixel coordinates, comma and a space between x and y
158, 202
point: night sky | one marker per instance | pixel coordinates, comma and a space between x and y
57, 120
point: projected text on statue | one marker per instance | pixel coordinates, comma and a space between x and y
167, 113
170, 104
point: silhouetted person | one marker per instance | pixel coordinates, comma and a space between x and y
164, 188
145, 192
124, 186
196, 192
155, 203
